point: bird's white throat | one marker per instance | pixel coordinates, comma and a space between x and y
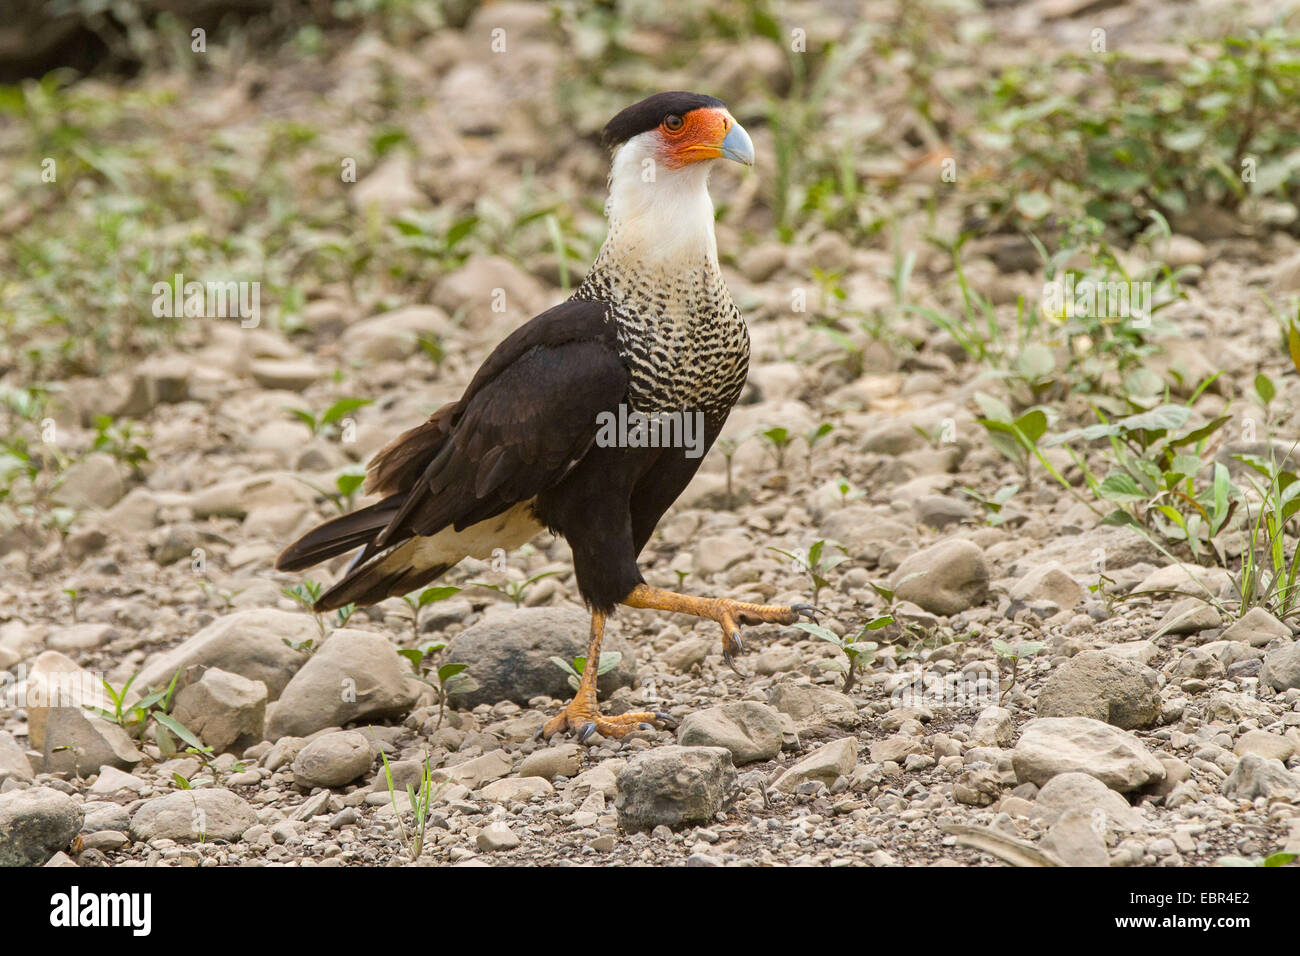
659, 218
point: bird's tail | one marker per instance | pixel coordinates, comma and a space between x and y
339, 536
387, 575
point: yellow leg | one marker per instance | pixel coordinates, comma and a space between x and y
727, 613
582, 715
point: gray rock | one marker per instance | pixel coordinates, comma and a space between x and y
749, 730
825, 765
13, 760
717, 553
945, 578
390, 189
1257, 628
81, 637
894, 749
1104, 687
95, 482
55, 682
1187, 579
777, 660
940, 511
1198, 662
1075, 841
1282, 667
332, 760
977, 787
1266, 745
1256, 776
1049, 583
111, 780
104, 815
475, 772
759, 263
562, 760
81, 743
395, 335
1049, 746
1188, 616
1083, 792
509, 655
993, 728
355, 675
812, 707
468, 291
892, 438
226, 711
35, 824
496, 836
685, 654
188, 816
104, 840
248, 643
674, 785
1144, 652
510, 790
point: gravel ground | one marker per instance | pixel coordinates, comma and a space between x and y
1144, 731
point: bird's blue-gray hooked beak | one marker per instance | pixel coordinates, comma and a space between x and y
737, 145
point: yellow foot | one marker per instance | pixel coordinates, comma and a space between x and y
584, 719
728, 614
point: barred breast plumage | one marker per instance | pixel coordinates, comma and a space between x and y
681, 335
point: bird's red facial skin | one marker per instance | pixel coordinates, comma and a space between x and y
698, 138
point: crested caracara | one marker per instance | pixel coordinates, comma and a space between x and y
650, 332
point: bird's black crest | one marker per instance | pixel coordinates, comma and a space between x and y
650, 112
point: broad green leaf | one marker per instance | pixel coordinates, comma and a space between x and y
1264, 388
816, 630
1118, 486
430, 595
448, 671
341, 408
1032, 424
179, 729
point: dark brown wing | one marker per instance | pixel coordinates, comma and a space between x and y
529, 414
527, 417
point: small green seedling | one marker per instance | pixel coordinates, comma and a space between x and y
1014, 653
778, 440
447, 679
417, 601
516, 591
812, 437
1274, 860
327, 422
1016, 437
420, 804
858, 651
608, 661
993, 506
346, 486
817, 563
305, 595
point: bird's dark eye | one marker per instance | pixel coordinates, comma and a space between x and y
673, 123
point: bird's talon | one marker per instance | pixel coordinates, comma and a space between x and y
740, 645
805, 610
586, 731
731, 662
